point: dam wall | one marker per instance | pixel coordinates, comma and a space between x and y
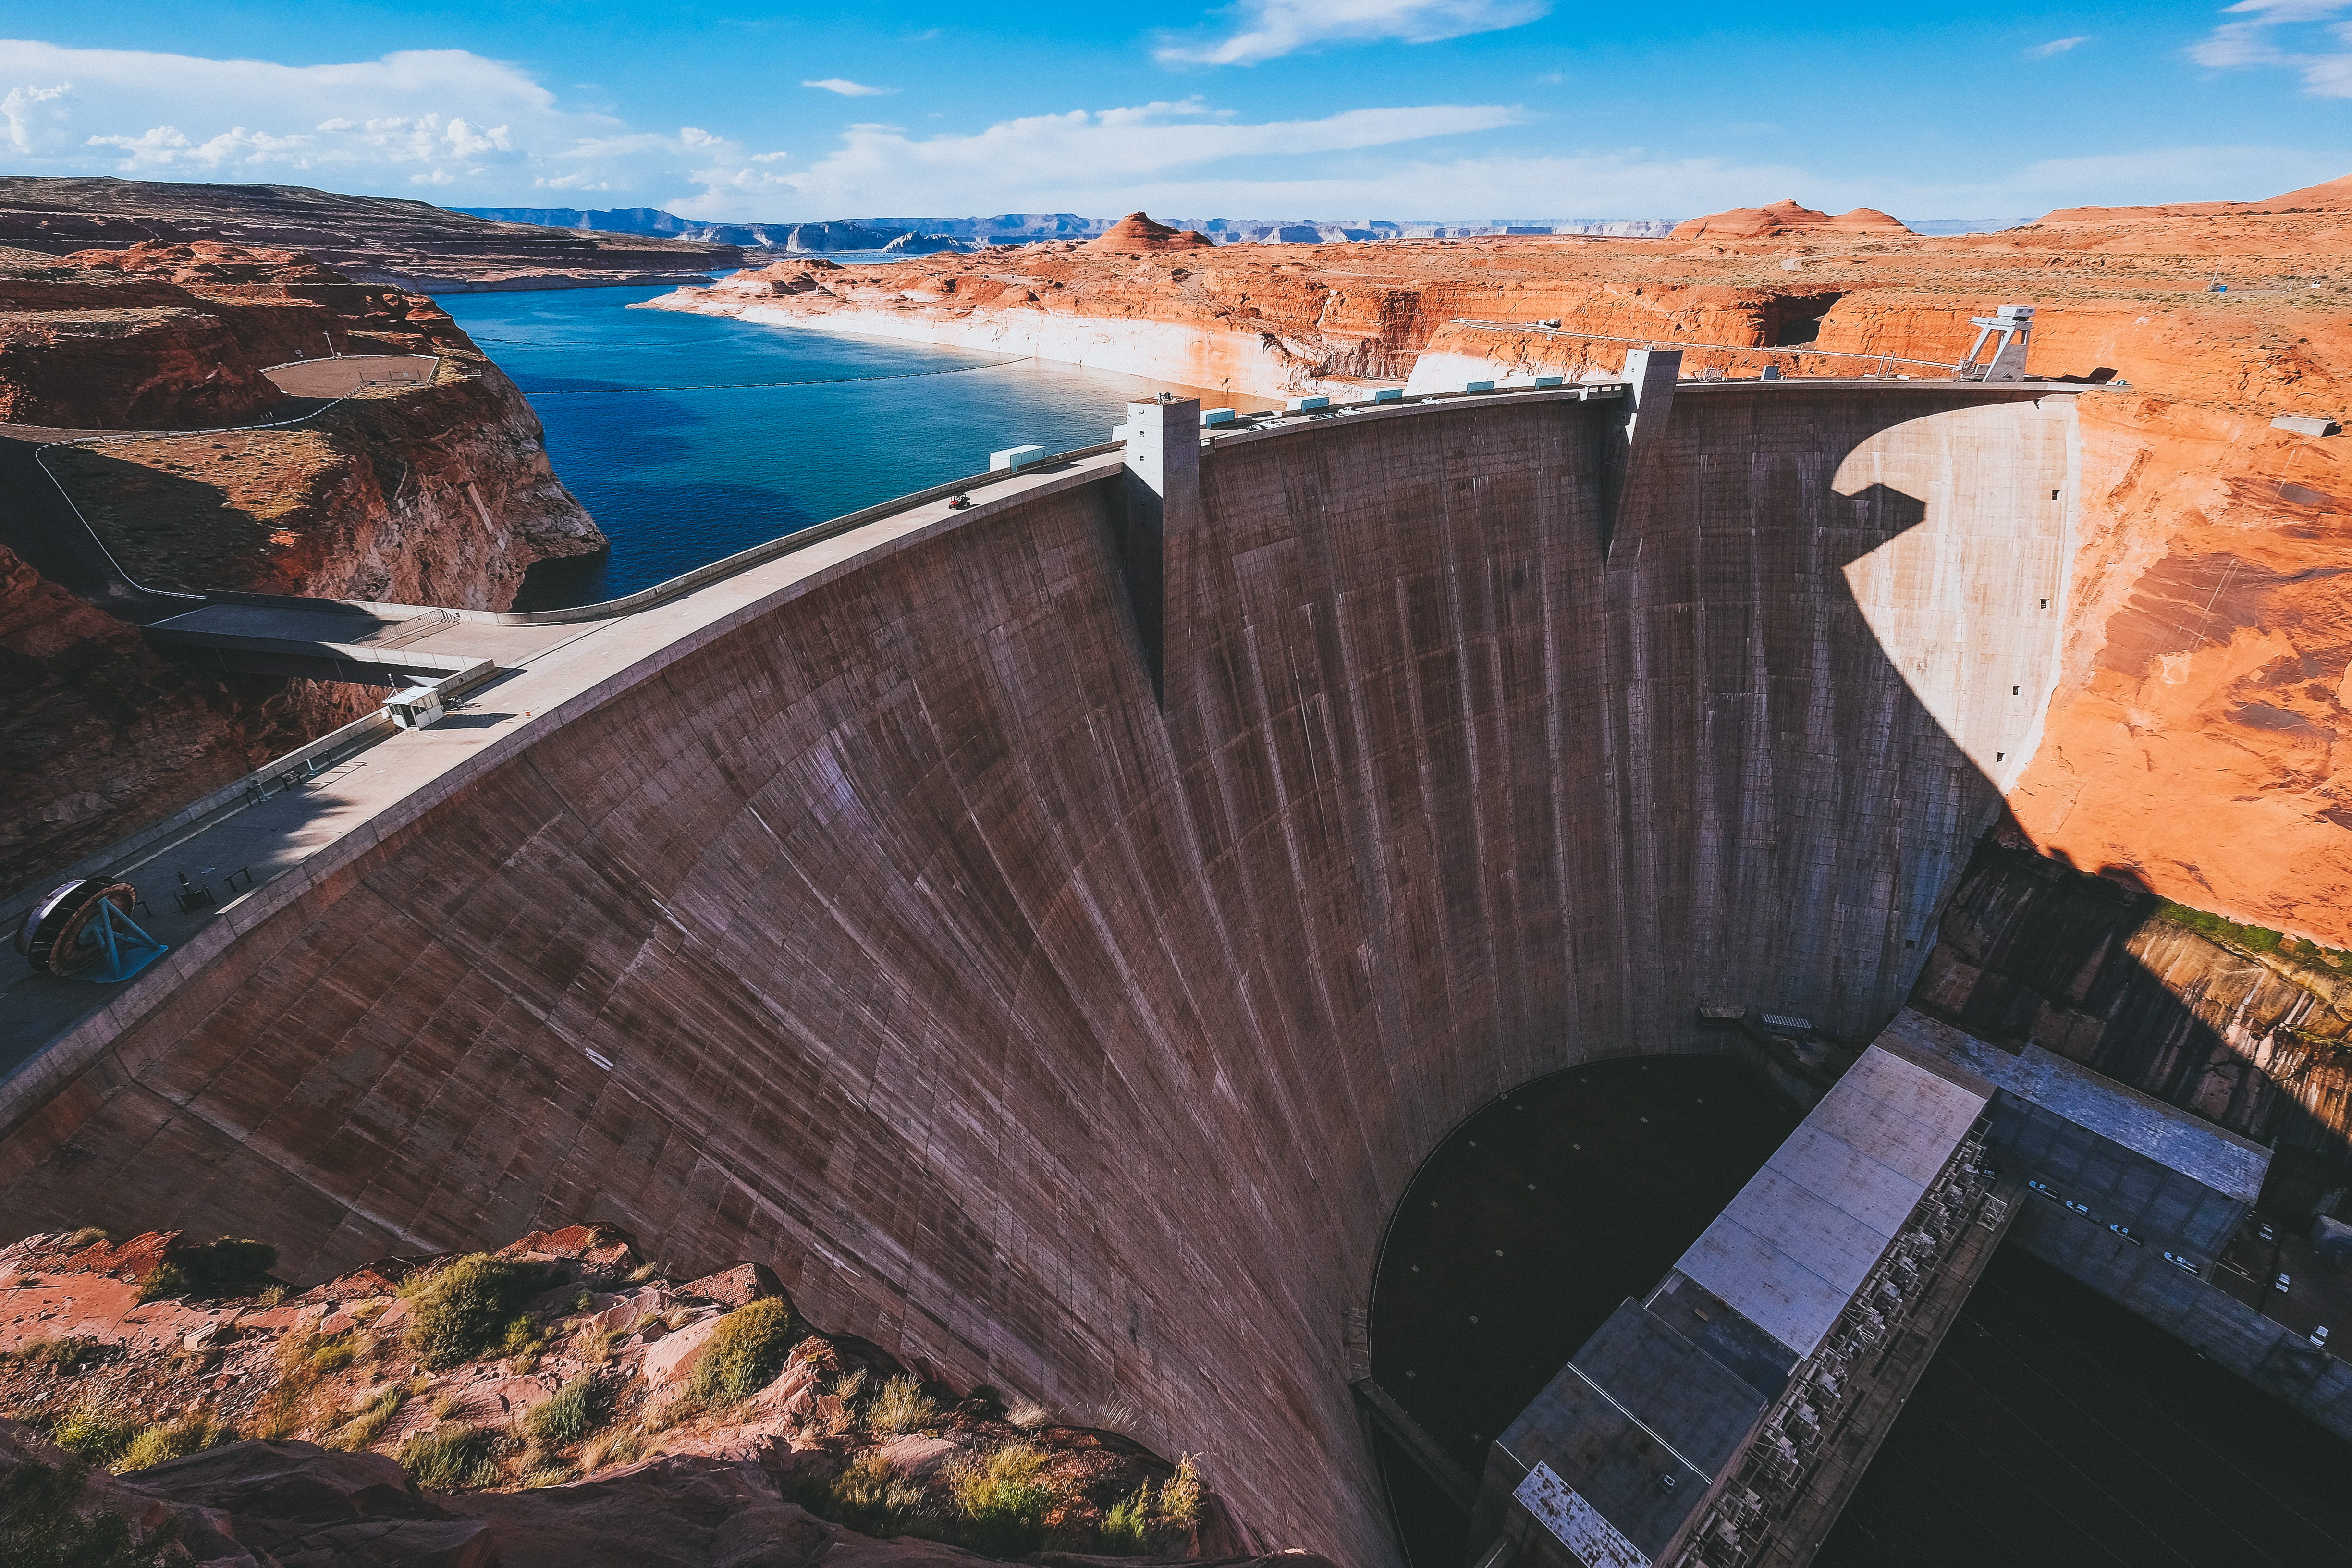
885, 925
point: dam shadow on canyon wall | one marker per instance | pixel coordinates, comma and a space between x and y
1078, 1042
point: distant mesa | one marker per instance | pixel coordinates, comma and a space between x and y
1786, 217
1137, 231
2334, 196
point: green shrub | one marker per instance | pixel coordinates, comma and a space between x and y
746, 1350
901, 1407
224, 1268
39, 1527
66, 1356
1180, 1499
330, 1355
864, 1483
452, 1457
1004, 1498
175, 1440
368, 1424
470, 1308
613, 1448
578, 1409
1127, 1528
89, 1433
2256, 939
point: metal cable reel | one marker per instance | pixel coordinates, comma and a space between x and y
85, 924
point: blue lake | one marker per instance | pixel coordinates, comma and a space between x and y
689, 437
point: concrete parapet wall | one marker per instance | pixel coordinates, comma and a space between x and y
1072, 1041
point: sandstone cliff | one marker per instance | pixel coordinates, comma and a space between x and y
370, 238
559, 1402
438, 493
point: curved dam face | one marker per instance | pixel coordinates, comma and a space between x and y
1079, 1040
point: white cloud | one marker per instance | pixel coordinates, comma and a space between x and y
2057, 46
2301, 36
848, 88
18, 109
440, 116
1265, 29
1090, 155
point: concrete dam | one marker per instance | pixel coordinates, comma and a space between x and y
1052, 930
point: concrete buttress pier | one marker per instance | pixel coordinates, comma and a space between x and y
865, 912
1160, 501
1651, 376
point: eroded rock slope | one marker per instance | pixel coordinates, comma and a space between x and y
562, 1402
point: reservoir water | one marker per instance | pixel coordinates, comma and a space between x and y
689, 437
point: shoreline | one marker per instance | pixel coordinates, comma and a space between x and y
1169, 351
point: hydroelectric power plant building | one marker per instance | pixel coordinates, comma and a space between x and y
1060, 910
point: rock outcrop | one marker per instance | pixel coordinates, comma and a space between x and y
1787, 217
1138, 232
586, 1425
437, 493
369, 239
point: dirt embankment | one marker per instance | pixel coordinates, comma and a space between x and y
562, 1402
435, 494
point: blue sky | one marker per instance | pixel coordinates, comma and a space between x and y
1331, 109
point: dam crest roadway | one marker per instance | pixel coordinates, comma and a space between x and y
1064, 920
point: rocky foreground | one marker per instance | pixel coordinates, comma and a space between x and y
563, 1402
438, 493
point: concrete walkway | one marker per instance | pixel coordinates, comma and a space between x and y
327, 639
50, 1026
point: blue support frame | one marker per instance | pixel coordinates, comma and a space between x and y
128, 947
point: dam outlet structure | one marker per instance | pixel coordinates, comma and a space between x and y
1051, 931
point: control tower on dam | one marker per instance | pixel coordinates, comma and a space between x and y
1060, 925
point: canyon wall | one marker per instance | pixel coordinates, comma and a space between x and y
435, 494
888, 927
2248, 1032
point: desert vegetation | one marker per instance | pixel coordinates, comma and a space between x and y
563, 1357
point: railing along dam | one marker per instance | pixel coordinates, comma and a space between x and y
871, 914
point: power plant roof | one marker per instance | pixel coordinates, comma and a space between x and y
1791, 1249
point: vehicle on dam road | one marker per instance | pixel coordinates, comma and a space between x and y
2282, 1284
2178, 1261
